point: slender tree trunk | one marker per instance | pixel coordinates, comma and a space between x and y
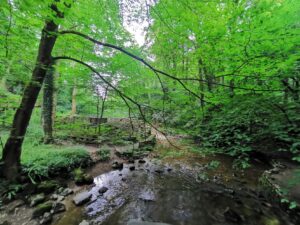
74, 107
3, 84
231, 89
54, 99
102, 109
210, 80
201, 85
47, 110
12, 149
286, 90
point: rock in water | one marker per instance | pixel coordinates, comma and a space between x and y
142, 161
102, 190
82, 198
137, 222
117, 165
132, 168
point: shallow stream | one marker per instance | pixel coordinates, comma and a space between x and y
159, 192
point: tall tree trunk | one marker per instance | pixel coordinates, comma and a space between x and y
12, 149
231, 89
210, 80
102, 109
47, 110
74, 93
201, 85
297, 86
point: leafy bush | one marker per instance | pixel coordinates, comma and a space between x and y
250, 123
104, 154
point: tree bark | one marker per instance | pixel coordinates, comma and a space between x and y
74, 93
231, 89
48, 105
201, 85
12, 149
102, 109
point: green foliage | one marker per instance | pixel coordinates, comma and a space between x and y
247, 122
104, 154
9, 190
41, 160
213, 165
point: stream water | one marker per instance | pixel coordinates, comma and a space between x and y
162, 193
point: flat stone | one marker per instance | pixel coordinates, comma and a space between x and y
82, 198
137, 222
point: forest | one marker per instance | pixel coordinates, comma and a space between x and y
150, 112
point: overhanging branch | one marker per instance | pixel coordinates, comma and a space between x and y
120, 49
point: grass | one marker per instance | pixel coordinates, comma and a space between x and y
40, 160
